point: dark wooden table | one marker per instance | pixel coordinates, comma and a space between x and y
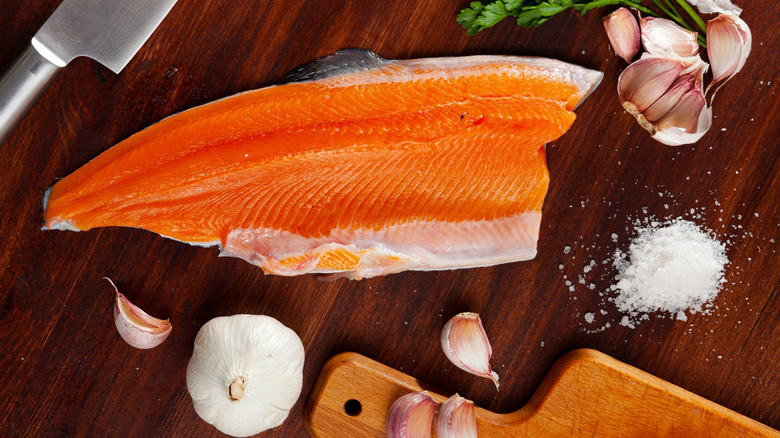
64, 371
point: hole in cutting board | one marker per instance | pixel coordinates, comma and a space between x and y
353, 408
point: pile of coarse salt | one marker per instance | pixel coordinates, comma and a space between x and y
669, 267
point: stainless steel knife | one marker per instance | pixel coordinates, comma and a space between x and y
108, 31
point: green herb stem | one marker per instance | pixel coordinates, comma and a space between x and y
532, 13
639, 8
694, 16
672, 9
673, 14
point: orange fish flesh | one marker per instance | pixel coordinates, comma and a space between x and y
362, 167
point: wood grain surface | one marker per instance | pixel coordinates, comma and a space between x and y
64, 371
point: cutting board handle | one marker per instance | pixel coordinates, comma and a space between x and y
585, 394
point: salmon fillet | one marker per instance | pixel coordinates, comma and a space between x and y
362, 167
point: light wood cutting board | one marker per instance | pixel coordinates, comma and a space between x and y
586, 394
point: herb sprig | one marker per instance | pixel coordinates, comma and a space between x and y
532, 13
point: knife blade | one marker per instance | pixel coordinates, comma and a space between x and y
108, 31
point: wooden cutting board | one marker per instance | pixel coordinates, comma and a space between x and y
586, 394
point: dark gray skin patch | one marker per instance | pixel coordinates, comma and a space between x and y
342, 62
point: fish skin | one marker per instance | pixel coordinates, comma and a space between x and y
366, 167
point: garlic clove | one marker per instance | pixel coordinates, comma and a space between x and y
716, 7
685, 114
456, 419
662, 37
728, 46
687, 122
411, 416
674, 136
623, 33
136, 327
695, 67
661, 107
466, 345
645, 81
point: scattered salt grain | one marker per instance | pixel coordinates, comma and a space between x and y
589, 317
669, 267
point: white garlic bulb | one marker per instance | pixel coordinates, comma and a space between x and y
245, 374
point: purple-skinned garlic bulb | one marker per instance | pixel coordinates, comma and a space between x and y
666, 97
664, 89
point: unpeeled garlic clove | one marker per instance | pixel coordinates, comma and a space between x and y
728, 46
136, 327
662, 37
411, 416
676, 136
669, 100
716, 7
685, 114
456, 419
466, 345
623, 33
